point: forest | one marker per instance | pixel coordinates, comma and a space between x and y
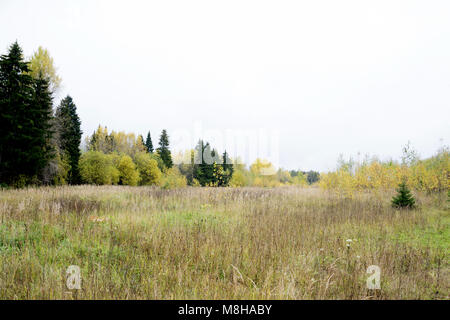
42, 145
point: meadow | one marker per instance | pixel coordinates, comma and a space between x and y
220, 243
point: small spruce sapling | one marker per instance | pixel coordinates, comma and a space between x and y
404, 198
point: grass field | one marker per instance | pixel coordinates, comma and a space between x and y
220, 243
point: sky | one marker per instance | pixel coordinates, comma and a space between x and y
296, 82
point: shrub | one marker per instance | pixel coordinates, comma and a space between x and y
148, 169
97, 168
172, 178
128, 175
238, 179
62, 169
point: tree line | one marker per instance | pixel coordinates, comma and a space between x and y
37, 145
111, 152
41, 145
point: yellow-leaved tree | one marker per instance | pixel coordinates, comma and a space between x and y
148, 169
41, 64
128, 174
98, 168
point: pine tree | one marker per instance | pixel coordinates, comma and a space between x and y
404, 198
149, 143
69, 135
25, 111
164, 151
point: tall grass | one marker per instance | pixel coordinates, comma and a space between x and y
220, 243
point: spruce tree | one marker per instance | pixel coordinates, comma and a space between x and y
25, 111
228, 169
69, 135
404, 198
204, 164
164, 151
149, 143
43, 146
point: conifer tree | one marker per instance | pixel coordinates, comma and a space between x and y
164, 151
404, 198
148, 143
228, 169
69, 135
25, 114
204, 164
43, 145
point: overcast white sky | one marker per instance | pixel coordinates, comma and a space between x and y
330, 77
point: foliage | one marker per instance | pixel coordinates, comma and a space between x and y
264, 174
428, 175
42, 66
148, 169
68, 127
404, 198
163, 150
25, 120
149, 143
62, 168
208, 168
173, 179
120, 142
128, 174
312, 177
239, 179
300, 179
97, 168
185, 163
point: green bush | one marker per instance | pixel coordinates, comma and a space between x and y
97, 168
127, 171
172, 178
148, 169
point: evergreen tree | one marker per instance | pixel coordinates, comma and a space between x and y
404, 198
43, 145
148, 143
25, 112
312, 176
69, 135
164, 151
204, 164
228, 169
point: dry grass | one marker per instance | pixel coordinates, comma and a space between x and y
210, 243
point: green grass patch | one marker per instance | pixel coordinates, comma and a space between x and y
435, 234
